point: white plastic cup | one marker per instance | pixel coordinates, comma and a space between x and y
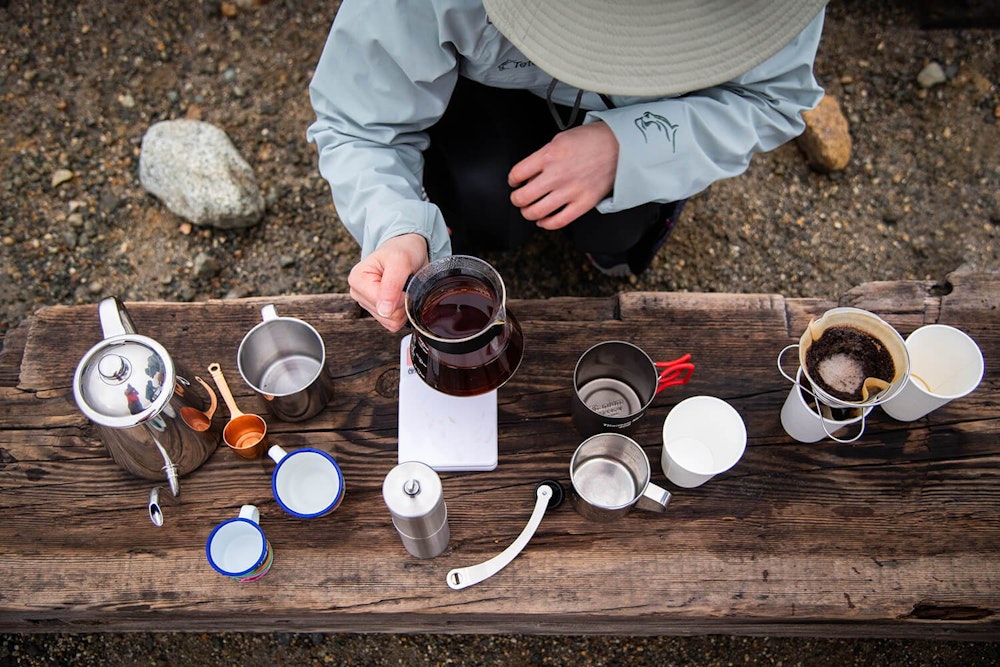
945, 364
800, 419
702, 437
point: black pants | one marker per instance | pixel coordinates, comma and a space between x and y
482, 135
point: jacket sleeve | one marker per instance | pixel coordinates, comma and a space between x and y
382, 80
673, 148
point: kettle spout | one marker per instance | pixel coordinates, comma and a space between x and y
168, 466
155, 510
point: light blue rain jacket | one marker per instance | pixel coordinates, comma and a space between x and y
388, 70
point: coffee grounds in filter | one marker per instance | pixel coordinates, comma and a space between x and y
844, 358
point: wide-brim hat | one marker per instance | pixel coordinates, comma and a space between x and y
649, 47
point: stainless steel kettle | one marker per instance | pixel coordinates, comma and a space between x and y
151, 417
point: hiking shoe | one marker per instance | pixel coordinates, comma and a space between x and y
615, 266
641, 255
637, 259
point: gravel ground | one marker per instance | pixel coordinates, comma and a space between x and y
290, 650
81, 82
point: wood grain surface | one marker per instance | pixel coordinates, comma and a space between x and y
897, 534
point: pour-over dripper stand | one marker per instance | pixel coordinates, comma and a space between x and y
447, 433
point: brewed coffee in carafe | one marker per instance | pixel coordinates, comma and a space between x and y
465, 341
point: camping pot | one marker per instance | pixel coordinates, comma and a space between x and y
151, 417
465, 342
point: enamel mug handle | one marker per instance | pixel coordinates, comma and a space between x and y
250, 512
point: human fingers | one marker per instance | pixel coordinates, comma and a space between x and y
364, 282
563, 216
389, 305
377, 281
526, 169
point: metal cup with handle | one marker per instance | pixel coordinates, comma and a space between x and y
615, 381
610, 474
284, 360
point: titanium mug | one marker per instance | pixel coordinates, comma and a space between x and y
614, 382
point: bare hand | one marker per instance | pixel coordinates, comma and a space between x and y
566, 177
377, 280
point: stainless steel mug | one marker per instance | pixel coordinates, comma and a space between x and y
610, 474
284, 360
614, 382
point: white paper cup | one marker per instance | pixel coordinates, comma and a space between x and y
800, 419
945, 364
702, 437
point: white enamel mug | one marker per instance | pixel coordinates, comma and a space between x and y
307, 482
238, 549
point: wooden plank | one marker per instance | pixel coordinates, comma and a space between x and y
976, 292
894, 535
914, 299
11, 352
565, 309
212, 329
26, 409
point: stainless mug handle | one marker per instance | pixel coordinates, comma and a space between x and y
269, 312
653, 499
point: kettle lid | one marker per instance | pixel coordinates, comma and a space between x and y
124, 381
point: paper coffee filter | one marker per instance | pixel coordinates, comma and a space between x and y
874, 390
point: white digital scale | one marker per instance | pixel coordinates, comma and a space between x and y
448, 433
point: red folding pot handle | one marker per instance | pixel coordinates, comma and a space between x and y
671, 373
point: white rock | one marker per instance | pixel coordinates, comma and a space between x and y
60, 176
195, 170
932, 75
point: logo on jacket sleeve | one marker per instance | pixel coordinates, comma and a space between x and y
514, 64
655, 123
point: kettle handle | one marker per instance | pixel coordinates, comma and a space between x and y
115, 320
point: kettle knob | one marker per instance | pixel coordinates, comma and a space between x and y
113, 368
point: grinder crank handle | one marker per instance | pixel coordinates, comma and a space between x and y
547, 494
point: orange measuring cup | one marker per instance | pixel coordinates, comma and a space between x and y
246, 434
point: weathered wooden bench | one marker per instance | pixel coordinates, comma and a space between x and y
897, 534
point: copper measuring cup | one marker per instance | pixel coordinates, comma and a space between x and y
246, 434
196, 419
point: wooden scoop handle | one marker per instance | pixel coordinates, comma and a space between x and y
223, 386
